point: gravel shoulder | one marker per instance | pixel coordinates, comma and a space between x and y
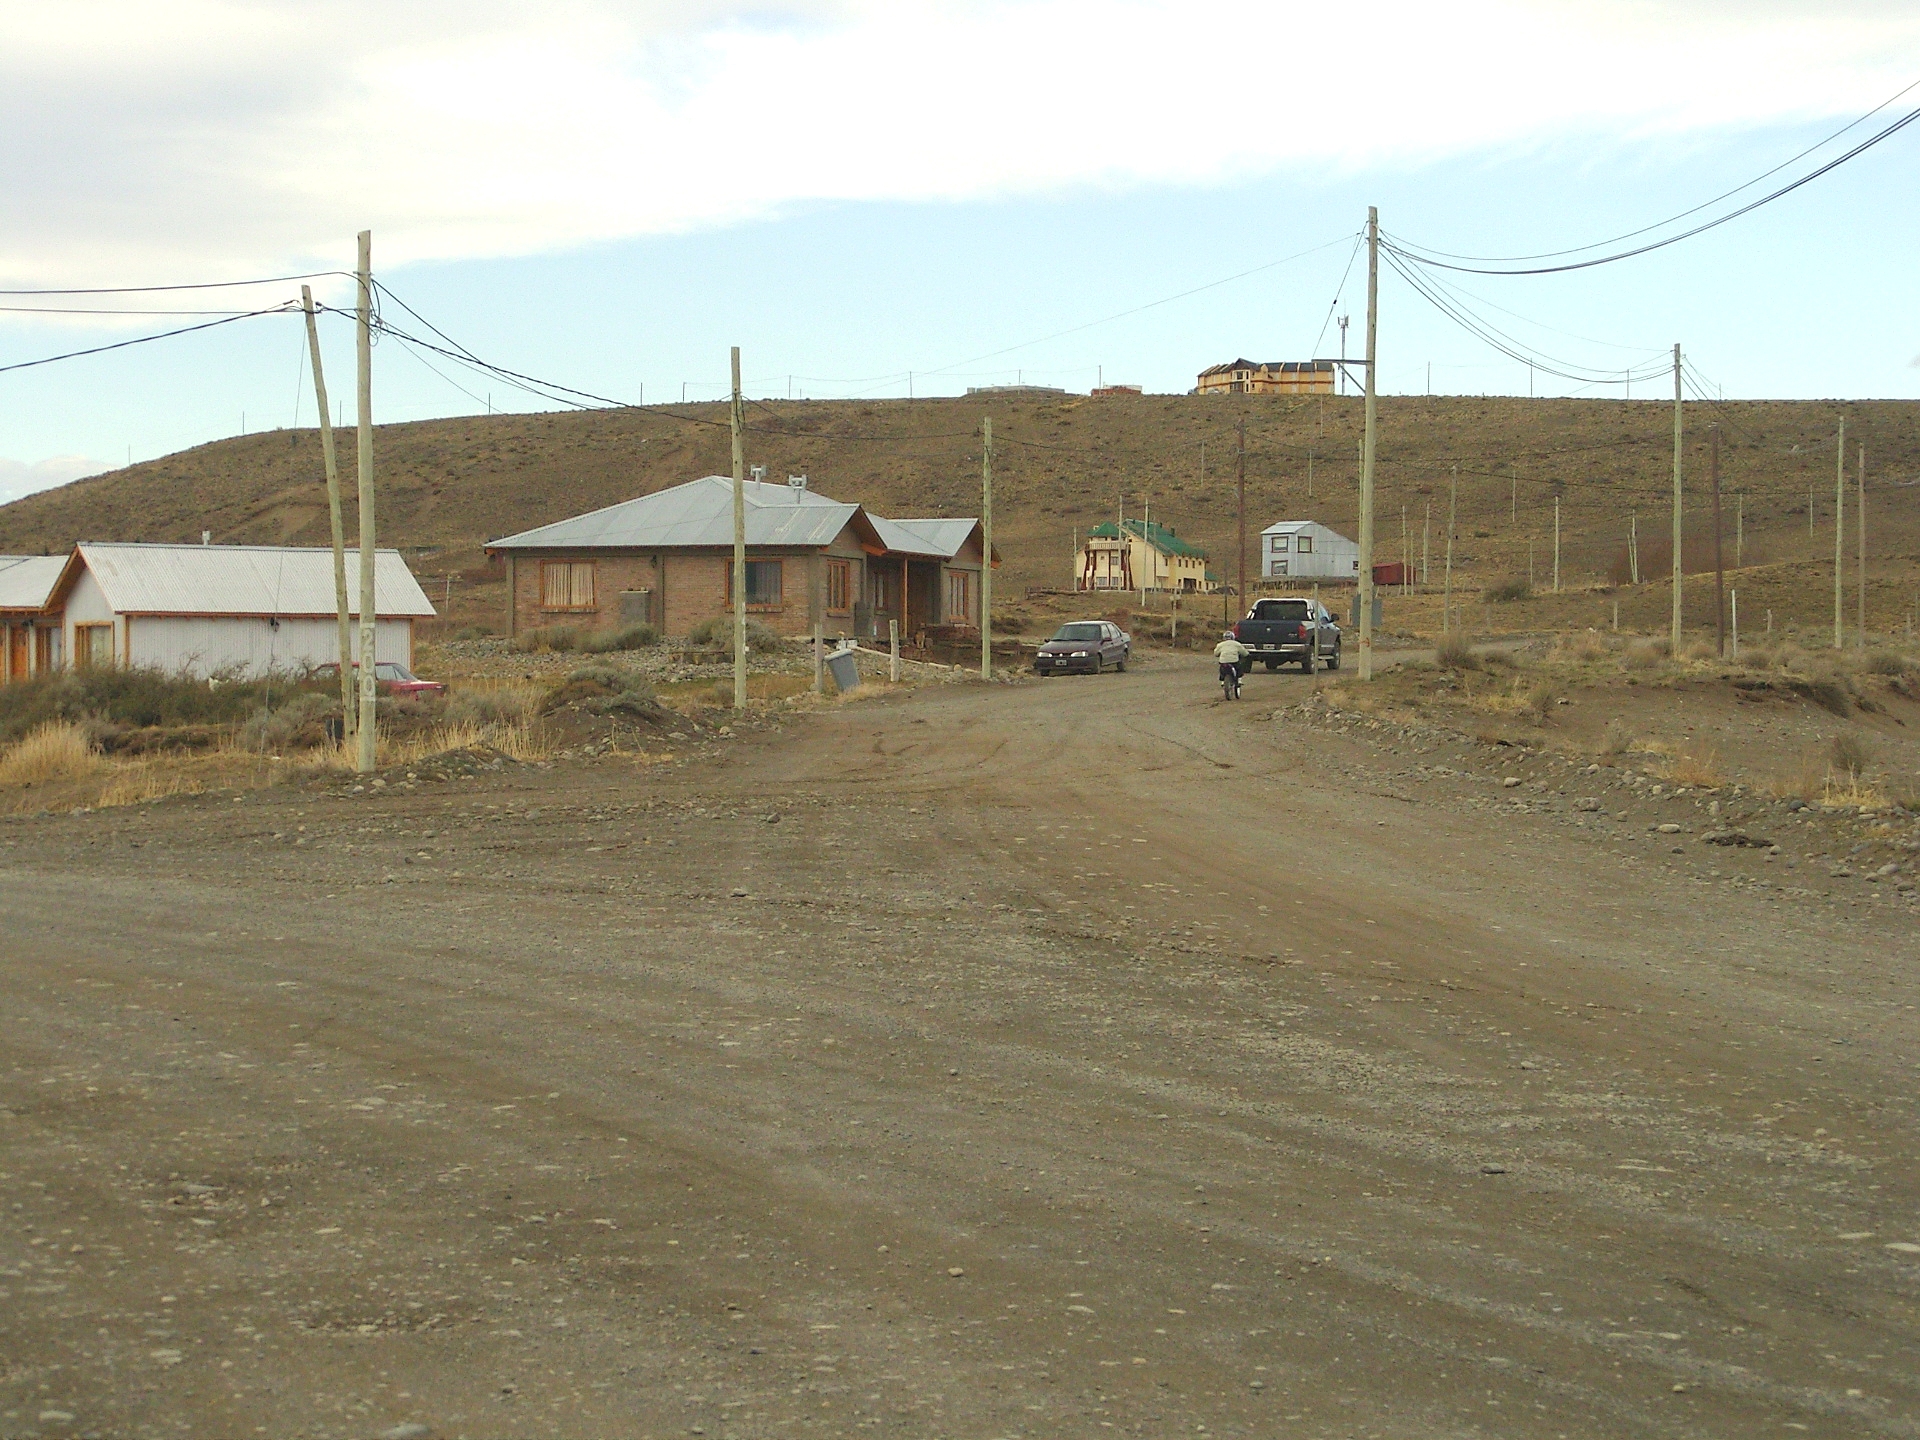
1036, 1058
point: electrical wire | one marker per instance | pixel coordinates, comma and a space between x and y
1411, 252
1136, 310
1693, 210
1429, 288
162, 289
281, 309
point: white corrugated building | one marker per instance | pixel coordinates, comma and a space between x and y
225, 609
1308, 550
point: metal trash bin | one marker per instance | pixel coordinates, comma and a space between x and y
844, 668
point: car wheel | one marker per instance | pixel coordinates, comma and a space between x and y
1334, 663
1121, 666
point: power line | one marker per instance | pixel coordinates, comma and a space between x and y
160, 289
280, 309
1693, 210
1409, 252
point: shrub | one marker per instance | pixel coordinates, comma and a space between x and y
1514, 589
294, 724
54, 750
471, 632
549, 637
1645, 655
607, 683
717, 633
1889, 662
627, 637
1849, 754
1699, 772
136, 697
1619, 737
1455, 652
488, 707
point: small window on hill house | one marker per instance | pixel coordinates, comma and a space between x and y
959, 598
1305, 545
839, 585
566, 584
1279, 544
763, 584
93, 646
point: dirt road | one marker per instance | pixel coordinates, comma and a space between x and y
1035, 1060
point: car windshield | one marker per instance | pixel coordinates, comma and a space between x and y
1081, 630
389, 670
1280, 610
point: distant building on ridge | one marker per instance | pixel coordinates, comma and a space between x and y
1267, 377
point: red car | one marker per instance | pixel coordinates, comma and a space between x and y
391, 676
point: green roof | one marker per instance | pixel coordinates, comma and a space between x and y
1159, 536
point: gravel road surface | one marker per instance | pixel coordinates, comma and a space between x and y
1048, 1059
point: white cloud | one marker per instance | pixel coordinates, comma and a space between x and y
203, 138
18, 478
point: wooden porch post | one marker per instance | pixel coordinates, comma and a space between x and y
905, 582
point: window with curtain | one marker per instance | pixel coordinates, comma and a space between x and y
959, 598
566, 585
764, 579
839, 585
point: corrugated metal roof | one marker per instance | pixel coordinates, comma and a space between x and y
26, 581
244, 580
1289, 527
698, 513
936, 537
1161, 537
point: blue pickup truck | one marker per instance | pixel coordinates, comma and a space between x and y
1290, 631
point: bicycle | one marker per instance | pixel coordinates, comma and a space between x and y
1230, 682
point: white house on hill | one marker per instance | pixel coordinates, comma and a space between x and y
1308, 550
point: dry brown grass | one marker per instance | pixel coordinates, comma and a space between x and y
1694, 769
56, 750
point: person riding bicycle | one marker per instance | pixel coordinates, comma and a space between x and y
1232, 655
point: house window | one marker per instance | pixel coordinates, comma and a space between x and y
763, 584
839, 585
959, 597
1305, 547
1279, 543
1279, 567
566, 584
93, 646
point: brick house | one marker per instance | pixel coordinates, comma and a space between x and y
667, 559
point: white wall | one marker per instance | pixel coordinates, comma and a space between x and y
1333, 557
87, 605
204, 646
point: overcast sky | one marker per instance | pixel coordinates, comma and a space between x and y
611, 194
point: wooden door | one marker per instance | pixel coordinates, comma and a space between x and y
16, 652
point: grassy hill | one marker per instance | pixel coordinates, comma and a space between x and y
1062, 464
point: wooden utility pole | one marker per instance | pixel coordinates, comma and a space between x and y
1453, 511
1839, 532
330, 456
1513, 494
1679, 583
1719, 559
1403, 550
1556, 544
1240, 505
738, 418
986, 549
1633, 546
1860, 513
1740, 530
1426, 547
1368, 444
365, 750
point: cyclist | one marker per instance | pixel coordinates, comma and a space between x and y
1232, 655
